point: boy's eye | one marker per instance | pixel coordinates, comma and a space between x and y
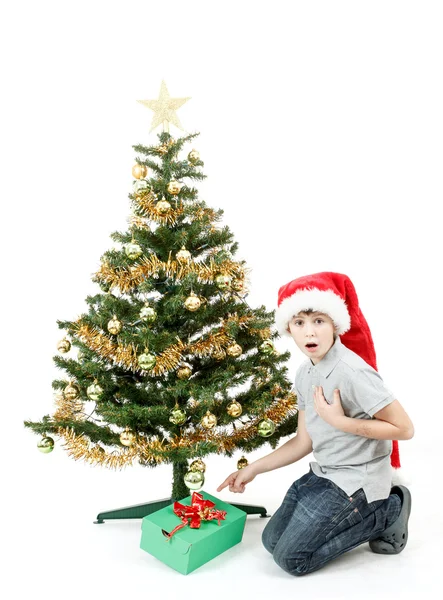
321, 320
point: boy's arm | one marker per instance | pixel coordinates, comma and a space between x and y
389, 423
293, 450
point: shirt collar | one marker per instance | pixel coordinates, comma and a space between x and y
330, 360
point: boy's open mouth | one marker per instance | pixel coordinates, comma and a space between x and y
311, 345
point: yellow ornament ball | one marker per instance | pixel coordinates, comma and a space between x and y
127, 438
193, 302
223, 282
242, 462
163, 206
139, 171
209, 420
174, 187
183, 255
46, 445
64, 346
184, 372
71, 391
266, 427
147, 361
177, 416
114, 325
132, 250
148, 314
238, 285
194, 480
197, 465
267, 347
94, 391
234, 409
193, 156
234, 350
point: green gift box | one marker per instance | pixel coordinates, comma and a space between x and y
190, 548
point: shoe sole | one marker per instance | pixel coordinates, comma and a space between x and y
394, 539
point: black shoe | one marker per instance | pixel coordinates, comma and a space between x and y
394, 539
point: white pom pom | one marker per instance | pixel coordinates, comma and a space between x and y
400, 477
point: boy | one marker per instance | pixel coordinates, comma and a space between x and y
348, 418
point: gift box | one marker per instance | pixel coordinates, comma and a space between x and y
189, 547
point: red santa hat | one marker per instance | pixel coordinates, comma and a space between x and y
334, 295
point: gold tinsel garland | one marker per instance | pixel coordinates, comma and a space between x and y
166, 361
128, 278
156, 452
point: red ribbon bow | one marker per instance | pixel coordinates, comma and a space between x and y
199, 510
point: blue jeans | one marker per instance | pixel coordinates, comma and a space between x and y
318, 521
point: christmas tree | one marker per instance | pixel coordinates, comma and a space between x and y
171, 364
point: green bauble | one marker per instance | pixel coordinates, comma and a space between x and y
140, 185
46, 445
177, 416
194, 480
267, 347
223, 282
148, 314
266, 427
147, 361
94, 391
132, 250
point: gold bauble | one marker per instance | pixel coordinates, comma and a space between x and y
64, 346
71, 391
242, 462
266, 427
114, 325
174, 187
197, 465
163, 206
209, 420
183, 255
177, 416
132, 250
238, 285
234, 350
139, 171
148, 314
223, 282
184, 372
234, 409
194, 480
94, 391
147, 361
46, 445
219, 354
193, 302
267, 347
127, 438
193, 156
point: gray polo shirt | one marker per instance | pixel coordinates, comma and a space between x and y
351, 461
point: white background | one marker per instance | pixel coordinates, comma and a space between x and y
321, 132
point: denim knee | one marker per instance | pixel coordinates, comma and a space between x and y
266, 539
297, 565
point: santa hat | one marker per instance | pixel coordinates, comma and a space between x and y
334, 295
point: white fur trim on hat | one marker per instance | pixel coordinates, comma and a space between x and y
325, 301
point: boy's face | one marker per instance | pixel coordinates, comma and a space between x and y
315, 329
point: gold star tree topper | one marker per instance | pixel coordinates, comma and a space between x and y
164, 109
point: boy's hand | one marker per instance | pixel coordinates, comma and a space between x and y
331, 413
238, 480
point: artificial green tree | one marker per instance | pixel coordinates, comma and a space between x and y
170, 363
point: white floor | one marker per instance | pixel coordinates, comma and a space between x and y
55, 550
